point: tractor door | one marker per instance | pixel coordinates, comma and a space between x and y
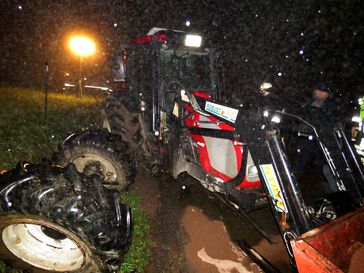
183, 68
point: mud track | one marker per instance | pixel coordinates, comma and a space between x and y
192, 232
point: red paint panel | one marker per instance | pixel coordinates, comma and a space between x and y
205, 160
192, 121
206, 165
249, 184
239, 154
201, 94
161, 38
221, 124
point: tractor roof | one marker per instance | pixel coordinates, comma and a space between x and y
162, 35
171, 37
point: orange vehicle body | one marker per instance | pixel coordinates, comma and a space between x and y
330, 248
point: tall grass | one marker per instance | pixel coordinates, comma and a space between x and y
26, 134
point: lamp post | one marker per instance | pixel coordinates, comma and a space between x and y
81, 46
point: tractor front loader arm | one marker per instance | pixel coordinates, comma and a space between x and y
310, 242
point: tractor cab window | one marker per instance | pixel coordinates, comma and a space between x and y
192, 69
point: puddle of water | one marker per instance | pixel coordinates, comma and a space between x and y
210, 248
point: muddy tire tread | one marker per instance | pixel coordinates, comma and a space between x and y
123, 120
95, 220
99, 139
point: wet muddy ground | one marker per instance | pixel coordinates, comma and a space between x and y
191, 231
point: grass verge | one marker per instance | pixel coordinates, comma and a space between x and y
139, 254
25, 134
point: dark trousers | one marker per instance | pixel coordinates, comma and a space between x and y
309, 158
308, 155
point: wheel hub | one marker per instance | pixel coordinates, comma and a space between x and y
53, 233
104, 168
43, 247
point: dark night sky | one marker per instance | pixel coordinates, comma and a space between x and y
292, 43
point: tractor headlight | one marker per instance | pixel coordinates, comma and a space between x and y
193, 40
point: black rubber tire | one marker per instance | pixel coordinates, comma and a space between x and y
65, 203
118, 116
87, 148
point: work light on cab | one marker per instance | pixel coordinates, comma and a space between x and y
193, 40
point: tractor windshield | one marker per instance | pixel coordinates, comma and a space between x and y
194, 69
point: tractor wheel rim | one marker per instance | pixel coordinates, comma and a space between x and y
43, 247
108, 171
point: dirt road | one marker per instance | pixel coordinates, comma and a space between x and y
191, 231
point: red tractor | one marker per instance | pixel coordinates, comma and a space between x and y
169, 112
168, 107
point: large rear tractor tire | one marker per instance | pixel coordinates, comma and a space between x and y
118, 116
99, 152
55, 219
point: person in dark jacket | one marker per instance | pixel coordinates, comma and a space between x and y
322, 111
269, 98
265, 97
324, 102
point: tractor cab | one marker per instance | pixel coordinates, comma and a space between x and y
153, 69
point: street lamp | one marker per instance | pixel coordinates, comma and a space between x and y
81, 46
